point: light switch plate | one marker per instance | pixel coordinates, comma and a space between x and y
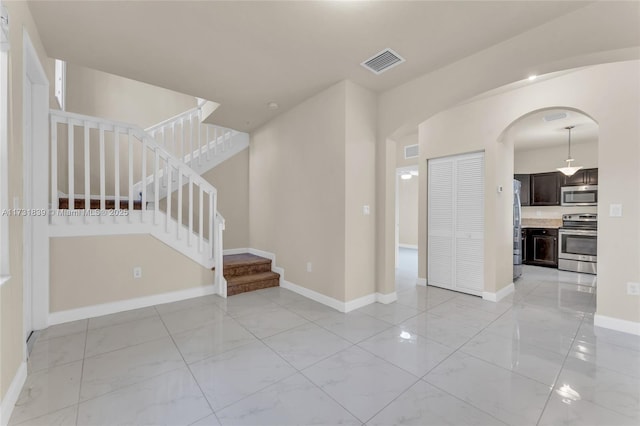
366, 210
137, 272
615, 210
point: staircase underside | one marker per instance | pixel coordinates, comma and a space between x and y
247, 272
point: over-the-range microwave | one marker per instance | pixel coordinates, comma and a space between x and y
585, 195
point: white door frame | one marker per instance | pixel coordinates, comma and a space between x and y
35, 143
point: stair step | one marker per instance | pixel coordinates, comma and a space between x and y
247, 272
236, 265
257, 281
94, 204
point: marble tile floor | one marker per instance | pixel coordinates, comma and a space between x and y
271, 357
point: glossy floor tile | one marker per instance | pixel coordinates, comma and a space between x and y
212, 339
188, 319
423, 404
411, 352
353, 326
57, 351
113, 337
360, 381
65, 417
267, 322
112, 370
513, 354
509, 397
48, 391
122, 317
273, 357
305, 345
233, 375
173, 398
293, 401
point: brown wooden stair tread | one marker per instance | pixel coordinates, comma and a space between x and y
231, 260
247, 279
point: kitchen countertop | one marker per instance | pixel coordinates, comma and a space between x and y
541, 223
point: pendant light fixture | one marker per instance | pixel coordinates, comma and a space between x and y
569, 170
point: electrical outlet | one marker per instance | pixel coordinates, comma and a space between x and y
633, 289
309, 267
137, 273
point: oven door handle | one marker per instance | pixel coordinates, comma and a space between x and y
578, 232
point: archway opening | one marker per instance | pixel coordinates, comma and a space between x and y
555, 209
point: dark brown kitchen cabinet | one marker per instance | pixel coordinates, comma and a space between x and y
541, 247
525, 189
582, 177
545, 189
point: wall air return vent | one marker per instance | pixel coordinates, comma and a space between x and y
410, 151
383, 61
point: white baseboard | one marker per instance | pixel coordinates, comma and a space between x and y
11, 397
336, 304
422, 282
500, 294
386, 298
358, 303
129, 304
314, 295
617, 324
409, 246
235, 251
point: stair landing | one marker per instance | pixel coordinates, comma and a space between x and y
247, 272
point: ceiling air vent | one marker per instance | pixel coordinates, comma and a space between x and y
555, 116
410, 151
383, 61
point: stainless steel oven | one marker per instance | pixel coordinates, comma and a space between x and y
585, 195
578, 243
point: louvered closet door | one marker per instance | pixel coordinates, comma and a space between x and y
456, 223
469, 243
440, 223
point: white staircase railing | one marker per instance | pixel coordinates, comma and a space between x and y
201, 146
186, 137
97, 162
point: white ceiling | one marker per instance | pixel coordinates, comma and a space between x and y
533, 132
246, 54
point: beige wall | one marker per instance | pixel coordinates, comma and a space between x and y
480, 125
297, 191
231, 179
88, 271
360, 151
312, 172
548, 159
11, 312
408, 211
99, 94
